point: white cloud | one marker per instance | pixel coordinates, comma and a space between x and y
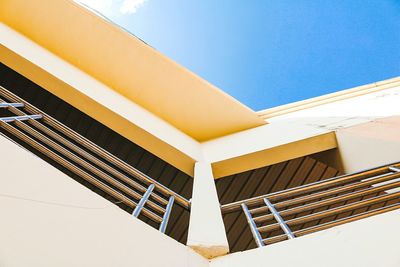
130, 6
110, 8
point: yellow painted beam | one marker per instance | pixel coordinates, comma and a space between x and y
274, 155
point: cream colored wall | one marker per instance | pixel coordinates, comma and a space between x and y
370, 144
48, 219
369, 242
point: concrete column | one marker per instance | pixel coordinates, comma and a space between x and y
207, 233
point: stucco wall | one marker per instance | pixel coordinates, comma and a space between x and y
48, 219
370, 144
370, 242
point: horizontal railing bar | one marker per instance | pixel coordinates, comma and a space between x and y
334, 211
345, 188
307, 188
328, 225
7, 105
85, 164
88, 156
89, 178
334, 191
98, 162
275, 239
348, 219
21, 118
330, 201
259, 209
98, 150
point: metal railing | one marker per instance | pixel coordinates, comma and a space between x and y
89, 161
284, 215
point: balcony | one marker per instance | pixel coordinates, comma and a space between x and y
320, 205
98, 158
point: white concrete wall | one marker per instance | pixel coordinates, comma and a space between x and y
370, 144
48, 219
371, 242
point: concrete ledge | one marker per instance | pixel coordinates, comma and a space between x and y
369, 242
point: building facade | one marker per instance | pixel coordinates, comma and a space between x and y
114, 155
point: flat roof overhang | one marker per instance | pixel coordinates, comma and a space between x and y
273, 155
128, 66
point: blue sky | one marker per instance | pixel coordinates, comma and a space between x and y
267, 53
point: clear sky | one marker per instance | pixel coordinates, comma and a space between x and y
267, 53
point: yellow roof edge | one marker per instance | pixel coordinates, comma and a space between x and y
189, 72
329, 98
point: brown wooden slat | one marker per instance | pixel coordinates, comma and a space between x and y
222, 185
232, 219
330, 171
293, 171
248, 188
235, 187
180, 223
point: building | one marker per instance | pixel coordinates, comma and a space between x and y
113, 155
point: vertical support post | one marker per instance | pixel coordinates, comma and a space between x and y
164, 223
206, 233
253, 227
143, 201
279, 219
